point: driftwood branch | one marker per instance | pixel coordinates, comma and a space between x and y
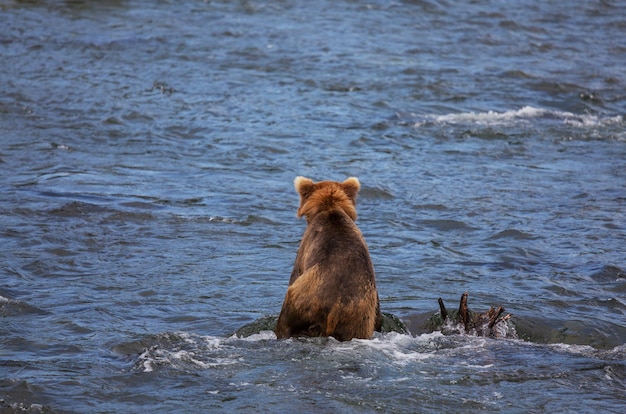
491, 323
463, 312
442, 310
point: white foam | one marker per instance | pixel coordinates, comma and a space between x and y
523, 115
156, 356
261, 336
490, 117
146, 361
186, 356
184, 350
147, 366
574, 348
400, 349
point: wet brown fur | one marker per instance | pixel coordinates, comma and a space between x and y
332, 289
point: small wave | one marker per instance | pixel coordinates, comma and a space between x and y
448, 225
182, 351
190, 352
178, 359
524, 114
401, 349
11, 307
20, 407
256, 345
609, 274
512, 234
257, 337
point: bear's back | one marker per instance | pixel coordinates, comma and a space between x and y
336, 244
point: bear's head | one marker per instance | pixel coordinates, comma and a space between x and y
326, 196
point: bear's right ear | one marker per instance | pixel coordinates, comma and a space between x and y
351, 187
304, 186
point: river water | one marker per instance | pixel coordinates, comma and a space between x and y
147, 157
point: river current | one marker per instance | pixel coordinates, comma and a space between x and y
147, 157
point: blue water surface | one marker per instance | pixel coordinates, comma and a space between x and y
147, 155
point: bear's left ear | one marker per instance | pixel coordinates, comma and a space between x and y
351, 187
304, 186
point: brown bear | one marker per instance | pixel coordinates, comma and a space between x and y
332, 289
